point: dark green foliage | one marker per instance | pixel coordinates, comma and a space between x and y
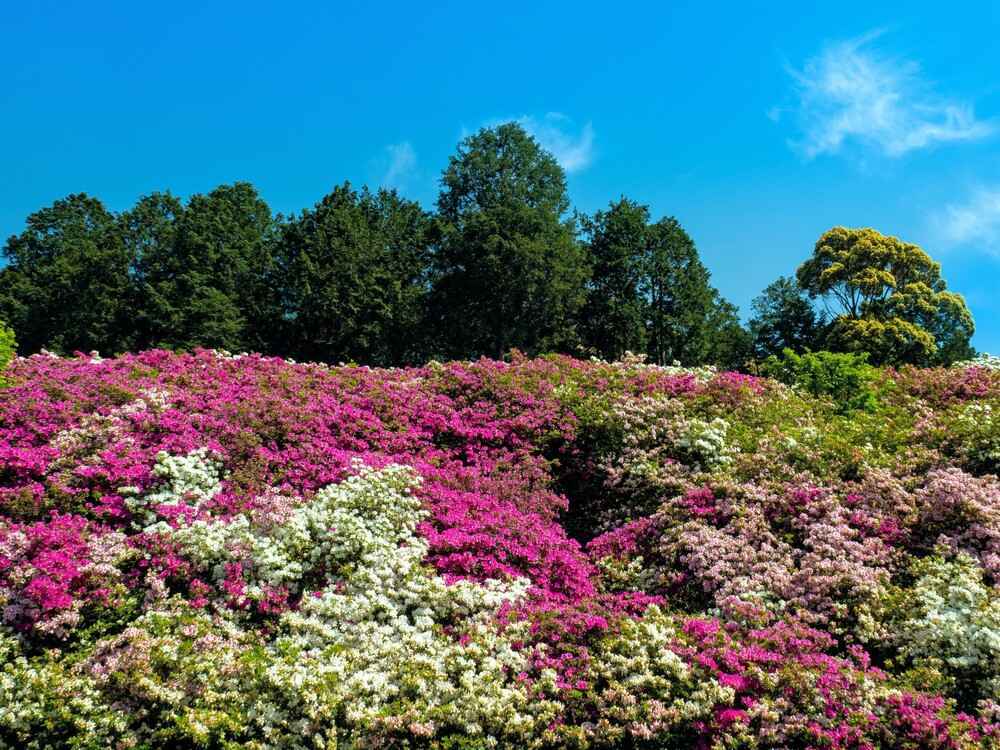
371, 277
149, 231
729, 342
687, 320
508, 270
784, 318
650, 292
353, 278
614, 315
66, 286
210, 279
846, 378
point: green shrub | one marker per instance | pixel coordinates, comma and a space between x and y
846, 378
8, 346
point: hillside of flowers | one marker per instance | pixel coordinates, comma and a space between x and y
213, 551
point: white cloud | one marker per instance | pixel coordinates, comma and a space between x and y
573, 148
975, 222
851, 93
402, 163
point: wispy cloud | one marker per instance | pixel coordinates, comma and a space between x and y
402, 161
852, 93
974, 223
572, 147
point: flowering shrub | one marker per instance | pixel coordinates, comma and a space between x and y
954, 628
984, 360
213, 550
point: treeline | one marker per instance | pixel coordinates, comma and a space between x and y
375, 278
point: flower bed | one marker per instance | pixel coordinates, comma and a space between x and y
207, 550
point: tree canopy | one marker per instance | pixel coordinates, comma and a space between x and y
353, 278
888, 298
688, 320
614, 317
784, 318
503, 263
66, 283
508, 270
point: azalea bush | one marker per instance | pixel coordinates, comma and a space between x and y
209, 550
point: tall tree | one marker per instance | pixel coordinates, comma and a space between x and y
685, 313
613, 319
888, 298
149, 231
213, 285
66, 285
354, 278
730, 344
783, 318
509, 272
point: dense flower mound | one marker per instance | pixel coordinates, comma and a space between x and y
214, 551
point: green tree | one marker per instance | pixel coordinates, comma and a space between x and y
889, 298
613, 319
783, 318
354, 278
66, 286
211, 280
730, 343
149, 231
509, 272
687, 319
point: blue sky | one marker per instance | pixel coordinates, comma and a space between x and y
758, 125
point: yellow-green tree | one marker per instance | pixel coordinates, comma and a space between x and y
887, 298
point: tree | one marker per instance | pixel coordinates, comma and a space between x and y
509, 272
783, 318
149, 231
210, 280
685, 314
613, 319
354, 274
889, 298
730, 344
66, 285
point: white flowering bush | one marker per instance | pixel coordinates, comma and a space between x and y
954, 625
379, 641
631, 363
45, 704
985, 360
186, 483
651, 692
375, 638
704, 443
978, 427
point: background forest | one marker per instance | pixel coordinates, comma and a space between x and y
503, 262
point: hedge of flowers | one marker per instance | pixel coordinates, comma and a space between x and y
213, 551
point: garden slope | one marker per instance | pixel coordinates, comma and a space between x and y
212, 551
